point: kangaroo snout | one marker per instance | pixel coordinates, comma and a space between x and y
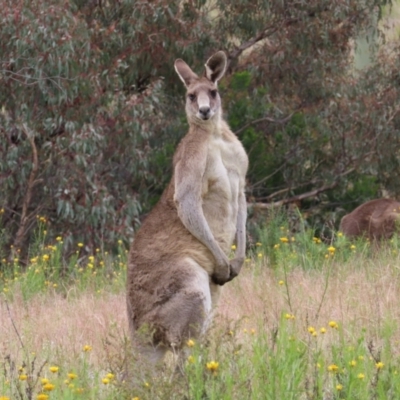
204, 112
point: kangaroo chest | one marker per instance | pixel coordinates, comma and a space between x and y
225, 171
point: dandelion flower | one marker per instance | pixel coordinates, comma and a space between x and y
58, 238
45, 257
106, 381
333, 324
331, 249
284, 239
339, 387
212, 366
281, 283
360, 376
259, 255
379, 365
190, 343
322, 330
191, 359
22, 377
110, 376
311, 329
80, 244
72, 376
4, 398
42, 396
233, 247
44, 381
147, 385
48, 387
340, 234
333, 368
353, 363
135, 398
352, 247
258, 244
86, 348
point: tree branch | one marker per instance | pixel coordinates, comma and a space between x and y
265, 119
299, 197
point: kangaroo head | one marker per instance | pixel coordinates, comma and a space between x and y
203, 102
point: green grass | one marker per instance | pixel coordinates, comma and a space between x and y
305, 320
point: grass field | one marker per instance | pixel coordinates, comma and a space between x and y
304, 320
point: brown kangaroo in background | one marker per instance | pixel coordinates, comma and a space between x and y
375, 219
178, 260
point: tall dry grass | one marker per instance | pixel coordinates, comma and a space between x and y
361, 295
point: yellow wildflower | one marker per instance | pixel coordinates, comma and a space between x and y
333, 324
339, 234
22, 377
42, 396
360, 376
333, 368
80, 244
259, 255
191, 359
44, 381
322, 330
352, 247
233, 247
190, 343
339, 387
331, 249
48, 387
87, 348
284, 239
379, 365
212, 366
353, 363
4, 397
311, 329
146, 384
258, 244
110, 376
281, 283
289, 316
106, 381
58, 238
45, 257
71, 375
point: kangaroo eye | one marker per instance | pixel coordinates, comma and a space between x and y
192, 97
213, 93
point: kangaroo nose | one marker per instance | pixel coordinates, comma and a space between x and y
204, 111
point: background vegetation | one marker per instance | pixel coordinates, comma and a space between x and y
91, 109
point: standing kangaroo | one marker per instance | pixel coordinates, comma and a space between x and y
178, 260
375, 219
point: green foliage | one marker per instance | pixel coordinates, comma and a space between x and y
91, 107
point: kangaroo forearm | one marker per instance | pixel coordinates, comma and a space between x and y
197, 225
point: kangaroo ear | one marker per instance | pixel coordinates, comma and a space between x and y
216, 66
184, 72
